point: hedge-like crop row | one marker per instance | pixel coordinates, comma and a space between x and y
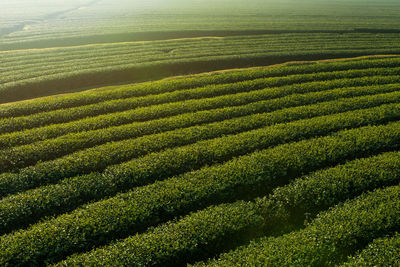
381, 252
118, 48
164, 86
275, 40
280, 37
329, 239
100, 222
96, 61
180, 159
253, 102
65, 115
22, 209
206, 233
36, 68
139, 53
23, 156
128, 71
40, 72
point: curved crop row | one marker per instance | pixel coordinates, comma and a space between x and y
232, 106
180, 159
207, 91
329, 239
93, 66
164, 86
96, 223
14, 72
276, 40
24, 208
252, 87
381, 252
139, 52
27, 56
38, 69
95, 61
208, 232
154, 68
110, 48
23, 156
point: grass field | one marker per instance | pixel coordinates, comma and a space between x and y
288, 165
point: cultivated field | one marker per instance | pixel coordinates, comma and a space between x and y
300, 160
26, 74
57, 46
200, 133
28, 24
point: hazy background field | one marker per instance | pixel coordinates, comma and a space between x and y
45, 23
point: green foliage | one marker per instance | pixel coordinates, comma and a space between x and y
23, 156
215, 229
169, 173
381, 252
185, 158
170, 85
210, 109
138, 21
328, 239
45, 72
20, 210
103, 221
172, 100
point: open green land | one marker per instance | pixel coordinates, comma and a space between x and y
290, 165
